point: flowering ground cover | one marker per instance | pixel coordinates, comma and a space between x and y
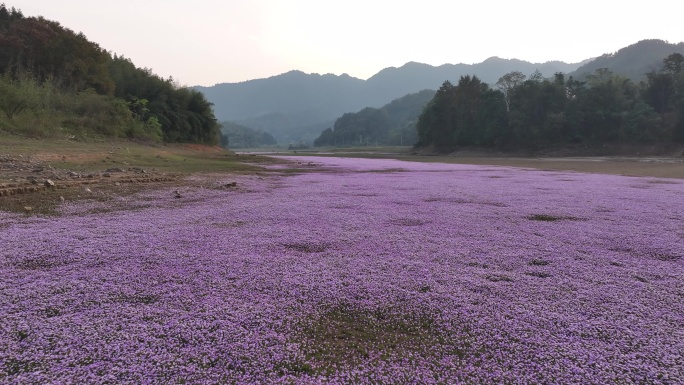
365, 272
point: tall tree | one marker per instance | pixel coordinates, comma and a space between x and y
469, 113
507, 83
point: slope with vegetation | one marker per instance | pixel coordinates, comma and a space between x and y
393, 124
56, 83
296, 106
633, 61
537, 113
238, 136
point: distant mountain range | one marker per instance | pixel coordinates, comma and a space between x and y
296, 106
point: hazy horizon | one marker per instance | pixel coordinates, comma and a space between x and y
212, 42
379, 70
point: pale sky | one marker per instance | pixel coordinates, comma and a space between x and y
204, 42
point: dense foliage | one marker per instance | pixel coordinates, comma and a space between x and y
238, 136
535, 112
56, 82
393, 124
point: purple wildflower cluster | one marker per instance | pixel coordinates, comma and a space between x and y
372, 272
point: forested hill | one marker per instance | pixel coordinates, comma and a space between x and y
296, 106
56, 83
237, 136
290, 106
633, 61
394, 124
535, 112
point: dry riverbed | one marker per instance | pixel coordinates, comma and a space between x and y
351, 271
36, 176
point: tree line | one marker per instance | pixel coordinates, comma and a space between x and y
55, 82
534, 112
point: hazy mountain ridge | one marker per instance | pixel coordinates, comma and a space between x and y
633, 61
413, 74
292, 91
296, 106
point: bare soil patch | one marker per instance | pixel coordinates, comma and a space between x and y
30, 184
37, 175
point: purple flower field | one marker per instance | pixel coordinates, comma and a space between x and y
365, 272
